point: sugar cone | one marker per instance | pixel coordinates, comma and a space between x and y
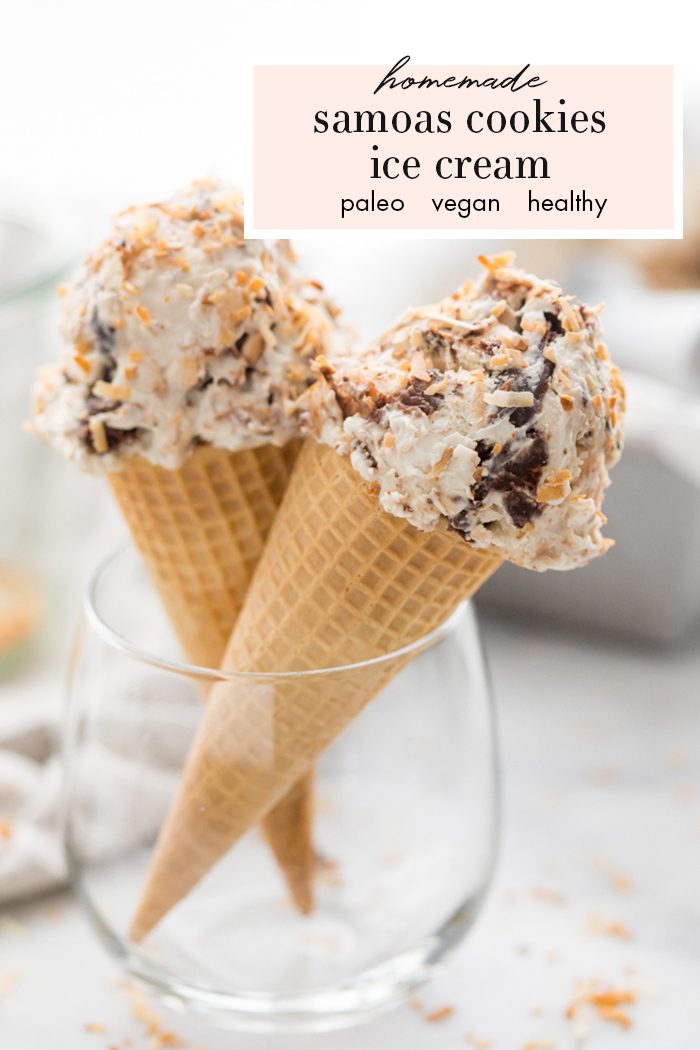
340, 581
201, 530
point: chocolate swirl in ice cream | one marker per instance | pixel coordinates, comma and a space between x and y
178, 331
495, 413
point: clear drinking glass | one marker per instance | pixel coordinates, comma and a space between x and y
405, 822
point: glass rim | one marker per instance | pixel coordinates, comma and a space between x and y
118, 642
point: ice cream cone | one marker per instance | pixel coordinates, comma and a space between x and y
340, 581
181, 337
201, 530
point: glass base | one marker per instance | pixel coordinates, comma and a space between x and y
268, 929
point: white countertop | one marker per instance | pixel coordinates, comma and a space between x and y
601, 755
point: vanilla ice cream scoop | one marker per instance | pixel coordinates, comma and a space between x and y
496, 413
176, 332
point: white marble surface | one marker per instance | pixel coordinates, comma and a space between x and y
601, 754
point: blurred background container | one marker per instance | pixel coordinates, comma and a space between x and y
45, 510
32, 258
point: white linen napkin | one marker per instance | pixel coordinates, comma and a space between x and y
123, 803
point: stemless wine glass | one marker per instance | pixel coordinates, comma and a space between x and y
405, 822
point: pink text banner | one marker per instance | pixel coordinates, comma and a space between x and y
548, 151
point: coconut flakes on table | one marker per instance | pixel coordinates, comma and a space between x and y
598, 925
442, 1013
607, 1002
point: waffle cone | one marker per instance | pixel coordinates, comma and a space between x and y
340, 582
201, 530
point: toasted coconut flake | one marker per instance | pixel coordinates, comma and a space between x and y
111, 391
455, 322
607, 1003
597, 925
510, 398
492, 263
441, 1014
98, 435
439, 387
443, 462
418, 368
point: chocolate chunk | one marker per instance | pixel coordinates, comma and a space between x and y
414, 396
109, 367
521, 507
104, 340
368, 407
546, 370
555, 327
100, 404
113, 436
483, 450
515, 473
237, 347
104, 334
191, 395
436, 341
522, 379
367, 454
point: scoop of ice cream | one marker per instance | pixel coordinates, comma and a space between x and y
178, 331
496, 413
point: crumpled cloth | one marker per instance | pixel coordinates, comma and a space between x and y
119, 803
